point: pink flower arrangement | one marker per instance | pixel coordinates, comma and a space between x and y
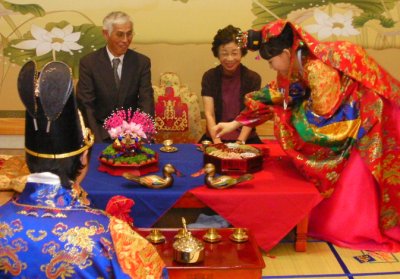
124, 122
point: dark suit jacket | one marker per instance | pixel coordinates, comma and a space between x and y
97, 93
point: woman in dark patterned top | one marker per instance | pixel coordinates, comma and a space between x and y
224, 87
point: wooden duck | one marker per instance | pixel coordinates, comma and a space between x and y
154, 181
223, 181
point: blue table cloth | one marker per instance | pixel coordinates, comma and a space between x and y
150, 204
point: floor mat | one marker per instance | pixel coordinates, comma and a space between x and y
323, 260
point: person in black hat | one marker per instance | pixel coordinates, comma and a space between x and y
49, 231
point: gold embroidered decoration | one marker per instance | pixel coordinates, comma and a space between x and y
340, 131
28, 213
324, 83
9, 260
79, 236
13, 172
76, 251
40, 235
170, 113
53, 215
137, 257
177, 111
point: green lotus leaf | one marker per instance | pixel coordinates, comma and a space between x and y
33, 9
372, 6
359, 21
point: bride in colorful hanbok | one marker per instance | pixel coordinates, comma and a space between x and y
335, 113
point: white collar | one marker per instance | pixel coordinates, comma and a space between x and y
44, 177
111, 56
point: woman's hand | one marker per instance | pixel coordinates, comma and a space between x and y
225, 127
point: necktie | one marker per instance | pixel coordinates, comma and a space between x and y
115, 63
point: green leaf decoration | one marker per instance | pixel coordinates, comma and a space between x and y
359, 21
91, 39
270, 10
372, 6
24, 9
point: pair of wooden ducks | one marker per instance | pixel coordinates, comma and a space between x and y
212, 181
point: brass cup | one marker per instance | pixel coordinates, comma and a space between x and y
168, 144
155, 236
239, 235
212, 236
205, 144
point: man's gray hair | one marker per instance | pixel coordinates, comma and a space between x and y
115, 18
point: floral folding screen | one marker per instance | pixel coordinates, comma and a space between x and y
48, 32
55, 41
370, 23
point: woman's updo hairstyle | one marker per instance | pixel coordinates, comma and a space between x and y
275, 45
225, 36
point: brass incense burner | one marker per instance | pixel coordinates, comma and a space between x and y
188, 249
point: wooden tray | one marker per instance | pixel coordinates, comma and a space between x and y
239, 166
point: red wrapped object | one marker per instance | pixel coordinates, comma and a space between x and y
120, 207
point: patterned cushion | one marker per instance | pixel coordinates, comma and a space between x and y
13, 172
177, 112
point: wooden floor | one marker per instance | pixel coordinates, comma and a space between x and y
11, 151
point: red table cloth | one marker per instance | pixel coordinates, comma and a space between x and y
271, 204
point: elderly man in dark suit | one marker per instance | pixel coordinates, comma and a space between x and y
114, 76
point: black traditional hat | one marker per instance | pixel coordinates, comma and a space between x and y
54, 128
254, 39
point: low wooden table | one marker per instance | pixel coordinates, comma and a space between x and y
188, 200
225, 259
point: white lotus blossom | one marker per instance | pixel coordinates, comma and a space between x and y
55, 40
338, 24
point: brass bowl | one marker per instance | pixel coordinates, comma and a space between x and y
188, 249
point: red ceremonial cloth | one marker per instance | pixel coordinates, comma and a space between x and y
270, 205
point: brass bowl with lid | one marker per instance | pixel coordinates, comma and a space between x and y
187, 248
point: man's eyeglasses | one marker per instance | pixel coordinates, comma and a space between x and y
122, 35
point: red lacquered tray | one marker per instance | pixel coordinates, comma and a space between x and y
119, 169
223, 260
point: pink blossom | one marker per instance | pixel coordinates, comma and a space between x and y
123, 122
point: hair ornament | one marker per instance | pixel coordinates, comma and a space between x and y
241, 39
